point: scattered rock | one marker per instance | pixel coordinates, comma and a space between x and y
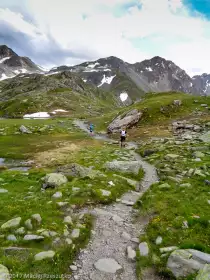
182, 263
61, 204
25, 130
105, 192
30, 237
171, 156
75, 233
159, 240
198, 154
68, 220
108, 265
186, 185
4, 273
20, 231
3, 191
68, 241
57, 195
124, 166
12, 237
125, 120
73, 267
12, 223
131, 253
37, 218
76, 170
168, 249
144, 249
128, 203
28, 224
54, 180
177, 102
164, 186
44, 255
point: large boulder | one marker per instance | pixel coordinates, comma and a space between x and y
54, 180
123, 166
76, 170
125, 120
185, 262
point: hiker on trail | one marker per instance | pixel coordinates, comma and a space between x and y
123, 134
91, 128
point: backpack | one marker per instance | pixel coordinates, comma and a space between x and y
123, 133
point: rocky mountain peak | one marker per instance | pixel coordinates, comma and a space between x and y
6, 52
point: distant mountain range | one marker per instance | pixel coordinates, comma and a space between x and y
129, 82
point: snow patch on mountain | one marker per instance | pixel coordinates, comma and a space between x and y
149, 69
93, 65
123, 96
4, 59
4, 77
106, 80
59, 110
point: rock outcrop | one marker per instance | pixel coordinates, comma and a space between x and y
127, 120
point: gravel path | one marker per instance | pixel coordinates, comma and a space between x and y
105, 257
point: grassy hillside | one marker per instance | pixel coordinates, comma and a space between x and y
35, 93
158, 109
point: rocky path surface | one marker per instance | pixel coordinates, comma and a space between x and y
110, 255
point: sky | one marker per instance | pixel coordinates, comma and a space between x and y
69, 32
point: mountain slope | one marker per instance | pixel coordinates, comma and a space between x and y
31, 93
12, 64
153, 75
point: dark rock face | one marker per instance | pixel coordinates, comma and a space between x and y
12, 64
152, 75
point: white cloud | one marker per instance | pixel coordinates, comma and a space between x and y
177, 34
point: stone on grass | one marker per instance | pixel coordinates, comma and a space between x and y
3, 191
57, 195
68, 241
182, 264
61, 204
144, 249
105, 192
20, 231
131, 253
37, 218
124, 166
12, 237
159, 240
28, 224
73, 267
108, 265
199, 173
11, 223
198, 154
168, 249
30, 237
4, 273
186, 185
164, 186
54, 180
44, 255
75, 233
24, 129
171, 156
68, 220
204, 273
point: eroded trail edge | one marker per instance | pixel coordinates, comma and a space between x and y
105, 257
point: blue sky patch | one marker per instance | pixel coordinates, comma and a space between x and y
121, 10
201, 6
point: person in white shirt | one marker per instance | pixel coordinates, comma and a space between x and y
123, 133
